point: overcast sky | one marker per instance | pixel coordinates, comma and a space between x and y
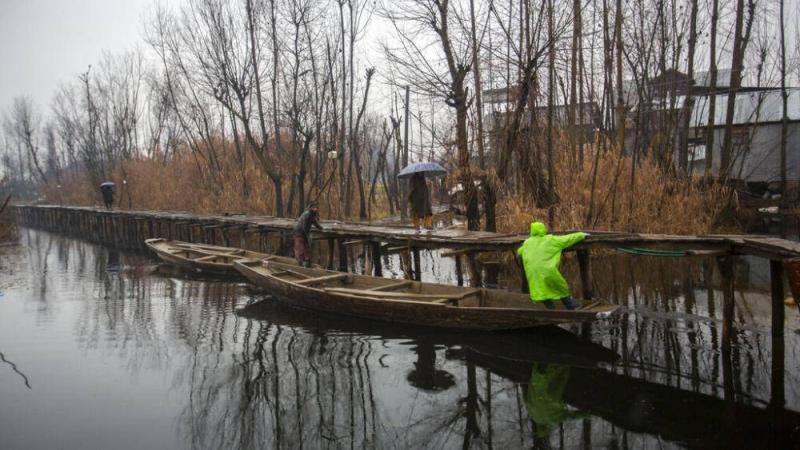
46, 42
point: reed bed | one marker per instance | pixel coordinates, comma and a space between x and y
653, 201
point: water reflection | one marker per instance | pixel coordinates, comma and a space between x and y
216, 364
425, 375
544, 398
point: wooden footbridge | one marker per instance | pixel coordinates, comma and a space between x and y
129, 228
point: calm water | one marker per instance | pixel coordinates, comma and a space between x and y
102, 349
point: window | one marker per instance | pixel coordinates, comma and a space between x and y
697, 152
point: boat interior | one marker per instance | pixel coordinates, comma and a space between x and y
348, 284
204, 253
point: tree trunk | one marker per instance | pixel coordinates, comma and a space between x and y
683, 151
737, 64
784, 113
620, 121
712, 83
489, 199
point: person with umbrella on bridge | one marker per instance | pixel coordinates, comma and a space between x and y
419, 197
107, 190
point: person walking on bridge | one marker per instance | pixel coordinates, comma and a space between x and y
419, 198
541, 258
107, 190
302, 234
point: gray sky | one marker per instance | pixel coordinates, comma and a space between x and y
46, 42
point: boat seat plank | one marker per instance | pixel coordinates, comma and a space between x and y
409, 295
324, 279
202, 251
207, 258
392, 286
294, 272
208, 248
443, 300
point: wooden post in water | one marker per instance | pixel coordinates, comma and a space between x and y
342, 250
417, 264
777, 396
265, 239
243, 237
474, 271
586, 274
375, 251
226, 237
523, 280
725, 264
331, 250
459, 270
366, 251
586, 289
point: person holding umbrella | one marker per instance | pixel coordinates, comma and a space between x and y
107, 190
419, 197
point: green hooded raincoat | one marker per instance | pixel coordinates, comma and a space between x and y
541, 257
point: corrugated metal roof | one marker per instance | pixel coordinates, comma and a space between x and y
703, 78
751, 107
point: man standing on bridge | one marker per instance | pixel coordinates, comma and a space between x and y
541, 258
302, 232
107, 190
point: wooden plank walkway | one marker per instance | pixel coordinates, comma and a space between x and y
458, 239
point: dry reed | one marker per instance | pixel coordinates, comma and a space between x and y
656, 201
186, 183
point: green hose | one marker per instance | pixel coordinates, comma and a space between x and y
650, 252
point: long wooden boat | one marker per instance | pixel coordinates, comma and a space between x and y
552, 345
410, 302
204, 258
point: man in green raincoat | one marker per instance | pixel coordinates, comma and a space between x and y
541, 257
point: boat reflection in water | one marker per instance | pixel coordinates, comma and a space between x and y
147, 358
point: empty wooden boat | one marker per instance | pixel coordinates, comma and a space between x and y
405, 301
204, 258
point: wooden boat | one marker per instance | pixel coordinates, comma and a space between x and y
204, 258
547, 344
410, 302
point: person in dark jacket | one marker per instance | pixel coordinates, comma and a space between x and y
302, 231
419, 199
107, 190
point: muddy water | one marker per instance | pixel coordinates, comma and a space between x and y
102, 349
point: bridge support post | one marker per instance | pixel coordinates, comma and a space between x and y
263, 241
725, 264
417, 264
586, 274
459, 270
342, 250
375, 252
778, 315
474, 272
523, 280
226, 236
331, 250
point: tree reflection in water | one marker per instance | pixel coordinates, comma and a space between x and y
268, 376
